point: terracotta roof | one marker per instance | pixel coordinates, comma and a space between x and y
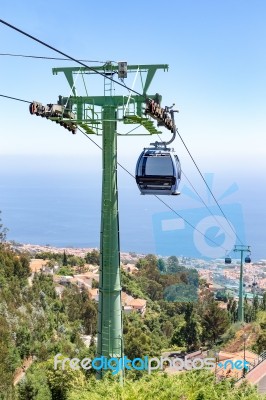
249, 355
94, 292
138, 303
126, 298
37, 264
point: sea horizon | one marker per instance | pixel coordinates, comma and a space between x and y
60, 205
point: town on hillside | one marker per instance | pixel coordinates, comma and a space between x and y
220, 277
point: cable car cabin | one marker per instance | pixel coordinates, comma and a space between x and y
247, 259
158, 171
227, 260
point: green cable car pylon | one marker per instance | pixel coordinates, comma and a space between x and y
99, 115
242, 249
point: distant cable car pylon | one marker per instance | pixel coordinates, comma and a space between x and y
242, 249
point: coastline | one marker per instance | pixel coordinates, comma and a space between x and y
76, 251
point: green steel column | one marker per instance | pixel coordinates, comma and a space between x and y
109, 342
240, 300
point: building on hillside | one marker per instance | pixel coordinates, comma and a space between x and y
59, 290
126, 298
63, 280
94, 294
216, 288
138, 305
130, 268
37, 264
87, 339
50, 270
83, 282
127, 309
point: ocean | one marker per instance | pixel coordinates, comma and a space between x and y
59, 204
62, 208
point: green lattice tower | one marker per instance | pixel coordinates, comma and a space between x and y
127, 109
240, 312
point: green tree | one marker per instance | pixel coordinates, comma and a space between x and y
23, 341
3, 231
161, 265
149, 268
65, 271
60, 381
64, 259
167, 329
192, 330
93, 257
21, 269
189, 333
194, 385
153, 289
94, 284
172, 265
214, 320
181, 292
261, 342
73, 302
35, 386
255, 306
149, 262
232, 309
221, 296
6, 368
137, 343
89, 317
263, 302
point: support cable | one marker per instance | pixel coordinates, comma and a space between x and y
47, 58
15, 98
121, 166
204, 180
126, 87
65, 55
201, 197
162, 201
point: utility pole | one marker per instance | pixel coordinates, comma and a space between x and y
242, 249
99, 115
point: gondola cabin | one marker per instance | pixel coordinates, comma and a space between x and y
247, 259
158, 171
227, 260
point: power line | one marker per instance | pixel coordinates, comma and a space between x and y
15, 98
204, 180
170, 208
124, 86
200, 195
47, 58
167, 205
206, 204
65, 55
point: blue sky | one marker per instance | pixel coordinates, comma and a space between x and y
216, 78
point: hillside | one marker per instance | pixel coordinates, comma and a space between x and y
37, 324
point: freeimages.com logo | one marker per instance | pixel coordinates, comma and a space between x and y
201, 232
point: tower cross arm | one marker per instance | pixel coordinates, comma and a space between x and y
103, 69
